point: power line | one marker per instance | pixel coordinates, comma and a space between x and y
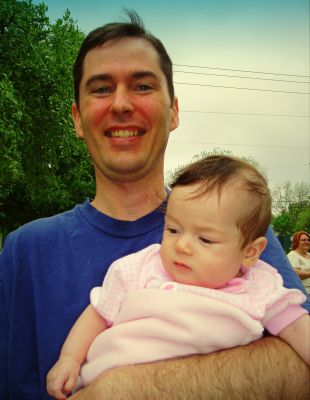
241, 70
241, 88
250, 114
240, 76
285, 166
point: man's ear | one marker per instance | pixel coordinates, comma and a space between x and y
76, 116
253, 251
175, 114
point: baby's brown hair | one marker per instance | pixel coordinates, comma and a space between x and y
214, 172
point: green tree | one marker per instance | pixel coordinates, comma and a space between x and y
291, 207
44, 168
285, 194
283, 224
303, 221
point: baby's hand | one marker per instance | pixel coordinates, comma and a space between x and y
62, 378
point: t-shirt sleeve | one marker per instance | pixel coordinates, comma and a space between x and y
127, 273
275, 256
107, 299
282, 304
284, 318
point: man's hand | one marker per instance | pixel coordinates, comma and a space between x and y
62, 378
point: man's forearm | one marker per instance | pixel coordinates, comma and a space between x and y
267, 369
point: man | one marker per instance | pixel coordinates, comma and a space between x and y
124, 109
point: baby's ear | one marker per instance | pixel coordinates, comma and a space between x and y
253, 251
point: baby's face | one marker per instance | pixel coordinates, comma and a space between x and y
201, 242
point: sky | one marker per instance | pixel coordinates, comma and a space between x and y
241, 74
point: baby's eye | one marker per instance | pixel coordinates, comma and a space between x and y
172, 231
205, 240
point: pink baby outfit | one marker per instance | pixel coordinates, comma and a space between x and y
152, 318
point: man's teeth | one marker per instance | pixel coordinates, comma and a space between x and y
125, 133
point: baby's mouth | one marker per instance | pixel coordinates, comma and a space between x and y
182, 267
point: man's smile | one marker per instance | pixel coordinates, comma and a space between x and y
124, 133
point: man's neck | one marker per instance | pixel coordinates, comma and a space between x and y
131, 200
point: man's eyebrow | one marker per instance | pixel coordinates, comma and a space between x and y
145, 74
98, 77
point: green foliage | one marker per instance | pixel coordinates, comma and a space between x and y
11, 170
44, 168
283, 224
291, 207
303, 221
294, 220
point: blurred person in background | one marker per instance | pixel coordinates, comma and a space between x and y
299, 257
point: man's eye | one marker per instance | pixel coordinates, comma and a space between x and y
143, 87
103, 90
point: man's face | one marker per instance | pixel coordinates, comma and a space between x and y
125, 113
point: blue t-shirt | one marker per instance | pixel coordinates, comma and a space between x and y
47, 269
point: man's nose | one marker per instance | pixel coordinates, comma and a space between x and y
184, 245
122, 101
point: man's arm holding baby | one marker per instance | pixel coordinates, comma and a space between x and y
266, 369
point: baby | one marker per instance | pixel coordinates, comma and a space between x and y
203, 289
